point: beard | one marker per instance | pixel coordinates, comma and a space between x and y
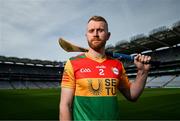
97, 46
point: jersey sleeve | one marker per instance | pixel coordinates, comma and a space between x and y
68, 80
124, 80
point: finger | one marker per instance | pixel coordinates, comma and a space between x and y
142, 58
146, 59
137, 57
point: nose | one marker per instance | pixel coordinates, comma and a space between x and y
95, 34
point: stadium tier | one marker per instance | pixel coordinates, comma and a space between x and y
162, 44
21, 76
157, 38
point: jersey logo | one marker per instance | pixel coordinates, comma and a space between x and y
115, 71
95, 87
85, 70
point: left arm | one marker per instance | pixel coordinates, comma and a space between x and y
136, 87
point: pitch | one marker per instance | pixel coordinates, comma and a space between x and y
43, 104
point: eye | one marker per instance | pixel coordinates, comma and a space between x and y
100, 30
91, 30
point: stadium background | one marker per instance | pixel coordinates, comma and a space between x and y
30, 89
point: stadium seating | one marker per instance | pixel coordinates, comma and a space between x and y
20, 76
5, 85
18, 85
167, 54
174, 83
30, 85
159, 81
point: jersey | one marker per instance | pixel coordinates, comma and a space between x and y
95, 83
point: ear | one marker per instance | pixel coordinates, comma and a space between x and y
108, 35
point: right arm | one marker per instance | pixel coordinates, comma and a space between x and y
67, 93
65, 108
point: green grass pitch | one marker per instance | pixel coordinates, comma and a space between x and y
43, 104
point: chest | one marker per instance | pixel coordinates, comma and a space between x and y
92, 69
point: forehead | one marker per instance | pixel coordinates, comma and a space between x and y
96, 24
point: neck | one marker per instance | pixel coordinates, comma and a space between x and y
100, 54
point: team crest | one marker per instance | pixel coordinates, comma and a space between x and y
115, 71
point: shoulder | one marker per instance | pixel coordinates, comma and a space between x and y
78, 57
115, 62
77, 61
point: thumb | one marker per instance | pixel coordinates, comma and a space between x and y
136, 58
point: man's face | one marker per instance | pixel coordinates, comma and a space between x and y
97, 34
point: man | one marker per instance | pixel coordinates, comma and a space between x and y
91, 80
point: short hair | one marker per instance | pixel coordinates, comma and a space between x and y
98, 18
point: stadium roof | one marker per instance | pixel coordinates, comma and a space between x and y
158, 38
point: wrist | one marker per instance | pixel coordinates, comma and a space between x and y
140, 71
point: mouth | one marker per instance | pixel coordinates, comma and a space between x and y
96, 43
96, 40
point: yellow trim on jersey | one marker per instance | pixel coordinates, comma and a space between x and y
68, 80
